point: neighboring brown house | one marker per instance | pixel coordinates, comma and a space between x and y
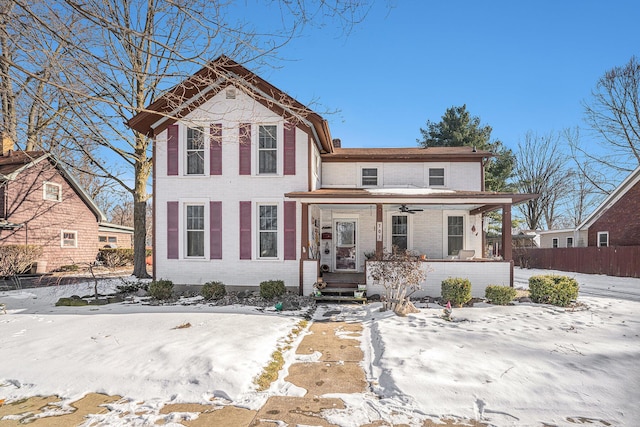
616, 221
42, 204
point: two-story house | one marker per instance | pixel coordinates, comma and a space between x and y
250, 186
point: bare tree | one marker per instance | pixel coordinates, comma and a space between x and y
132, 50
541, 169
613, 114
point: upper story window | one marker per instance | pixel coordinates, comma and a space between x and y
603, 238
436, 177
267, 149
52, 191
369, 177
69, 239
195, 151
569, 242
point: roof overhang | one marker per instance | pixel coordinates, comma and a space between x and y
6, 225
114, 228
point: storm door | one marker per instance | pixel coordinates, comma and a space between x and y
346, 252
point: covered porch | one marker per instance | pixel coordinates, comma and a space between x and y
344, 230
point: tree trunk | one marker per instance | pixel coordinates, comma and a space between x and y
142, 168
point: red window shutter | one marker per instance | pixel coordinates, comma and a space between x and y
215, 230
245, 230
289, 149
215, 150
289, 230
245, 148
173, 225
172, 150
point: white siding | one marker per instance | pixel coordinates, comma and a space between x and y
230, 188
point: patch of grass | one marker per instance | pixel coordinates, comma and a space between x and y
270, 372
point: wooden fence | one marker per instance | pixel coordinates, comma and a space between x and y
622, 261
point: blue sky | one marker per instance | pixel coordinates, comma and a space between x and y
520, 66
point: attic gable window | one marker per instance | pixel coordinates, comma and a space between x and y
230, 93
52, 191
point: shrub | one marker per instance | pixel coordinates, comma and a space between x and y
115, 257
213, 290
161, 289
272, 288
69, 268
457, 290
499, 295
552, 289
17, 259
132, 287
73, 301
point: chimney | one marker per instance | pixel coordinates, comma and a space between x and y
7, 145
337, 143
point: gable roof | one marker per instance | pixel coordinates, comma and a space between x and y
409, 154
185, 97
621, 190
15, 162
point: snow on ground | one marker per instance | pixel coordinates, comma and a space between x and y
520, 365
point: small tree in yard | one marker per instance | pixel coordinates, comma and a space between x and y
400, 273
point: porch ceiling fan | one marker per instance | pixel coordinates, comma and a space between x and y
405, 209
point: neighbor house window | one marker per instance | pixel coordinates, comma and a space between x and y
369, 177
569, 242
603, 238
267, 149
195, 230
195, 151
436, 176
69, 239
554, 242
268, 231
102, 239
400, 232
52, 191
455, 234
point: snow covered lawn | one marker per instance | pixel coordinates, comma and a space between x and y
520, 365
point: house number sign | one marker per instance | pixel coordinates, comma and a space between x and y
379, 231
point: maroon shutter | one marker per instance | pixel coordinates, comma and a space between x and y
172, 150
215, 150
215, 230
245, 230
289, 230
173, 221
245, 148
289, 149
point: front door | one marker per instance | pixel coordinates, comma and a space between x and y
346, 253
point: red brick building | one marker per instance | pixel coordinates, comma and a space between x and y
42, 204
616, 222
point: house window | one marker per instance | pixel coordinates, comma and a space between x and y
69, 239
603, 238
267, 149
569, 242
455, 234
102, 239
400, 232
369, 177
554, 242
436, 176
195, 151
195, 230
268, 231
113, 239
52, 191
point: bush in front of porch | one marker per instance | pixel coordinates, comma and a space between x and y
457, 290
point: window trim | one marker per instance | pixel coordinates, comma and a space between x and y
555, 242
62, 239
279, 230
182, 228
567, 242
185, 228
204, 150
279, 150
53, 184
362, 176
389, 229
603, 233
445, 230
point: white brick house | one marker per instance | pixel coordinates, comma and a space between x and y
249, 186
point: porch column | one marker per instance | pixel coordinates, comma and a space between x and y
507, 252
304, 232
379, 246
